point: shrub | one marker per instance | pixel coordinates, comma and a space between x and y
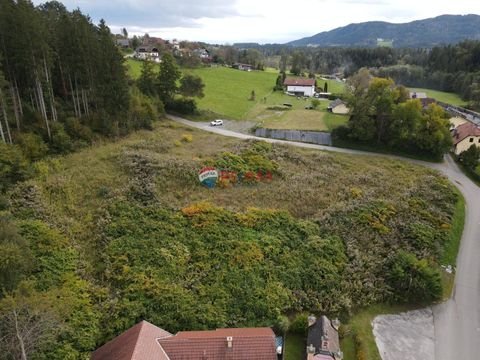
13, 166
183, 106
143, 111
77, 130
299, 325
316, 103
188, 138
61, 143
33, 146
414, 280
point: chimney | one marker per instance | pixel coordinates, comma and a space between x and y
229, 342
310, 352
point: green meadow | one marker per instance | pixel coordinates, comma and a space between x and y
449, 98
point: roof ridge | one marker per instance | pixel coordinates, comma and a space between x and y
142, 326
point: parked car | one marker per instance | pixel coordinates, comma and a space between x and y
216, 123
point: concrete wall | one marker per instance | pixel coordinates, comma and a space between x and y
313, 137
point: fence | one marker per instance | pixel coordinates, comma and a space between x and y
313, 137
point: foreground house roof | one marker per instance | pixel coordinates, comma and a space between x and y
299, 82
137, 343
464, 131
322, 339
145, 341
231, 344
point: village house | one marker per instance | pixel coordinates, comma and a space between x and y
323, 342
464, 136
300, 86
147, 52
243, 67
146, 341
123, 43
338, 107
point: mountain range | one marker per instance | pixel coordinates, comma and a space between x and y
445, 29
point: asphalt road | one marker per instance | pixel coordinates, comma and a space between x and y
457, 321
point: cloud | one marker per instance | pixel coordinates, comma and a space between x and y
154, 13
228, 21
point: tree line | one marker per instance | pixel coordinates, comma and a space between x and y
450, 68
383, 115
63, 84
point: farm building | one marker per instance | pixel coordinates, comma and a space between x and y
338, 107
418, 95
464, 136
244, 67
300, 86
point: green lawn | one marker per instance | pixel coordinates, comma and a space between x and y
449, 98
297, 118
294, 347
334, 86
134, 68
227, 91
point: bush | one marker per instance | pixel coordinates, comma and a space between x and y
13, 166
183, 106
77, 130
188, 138
341, 133
61, 143
414, 280
33, 146
143, 111
299, 325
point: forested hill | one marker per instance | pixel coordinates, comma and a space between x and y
445, 29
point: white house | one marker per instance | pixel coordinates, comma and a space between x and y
145, 52
464, 136
300, 86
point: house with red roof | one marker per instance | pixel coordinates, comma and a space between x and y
464, 136
146, 341
300, 86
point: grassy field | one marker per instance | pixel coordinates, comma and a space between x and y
334, 87
296, 117
134, 68
122, 205
449, 98
294, 347
227, 91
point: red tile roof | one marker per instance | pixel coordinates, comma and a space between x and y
145, 341
247, 343
137, 343
299, 82
464, 131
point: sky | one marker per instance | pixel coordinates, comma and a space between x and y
262, 21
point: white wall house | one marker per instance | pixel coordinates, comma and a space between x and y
147, 53
464, 136
300, 86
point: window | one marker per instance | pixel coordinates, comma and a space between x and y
471, 139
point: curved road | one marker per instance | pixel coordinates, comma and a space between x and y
457, 321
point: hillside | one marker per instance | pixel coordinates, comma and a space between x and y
124, 231
446, 29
